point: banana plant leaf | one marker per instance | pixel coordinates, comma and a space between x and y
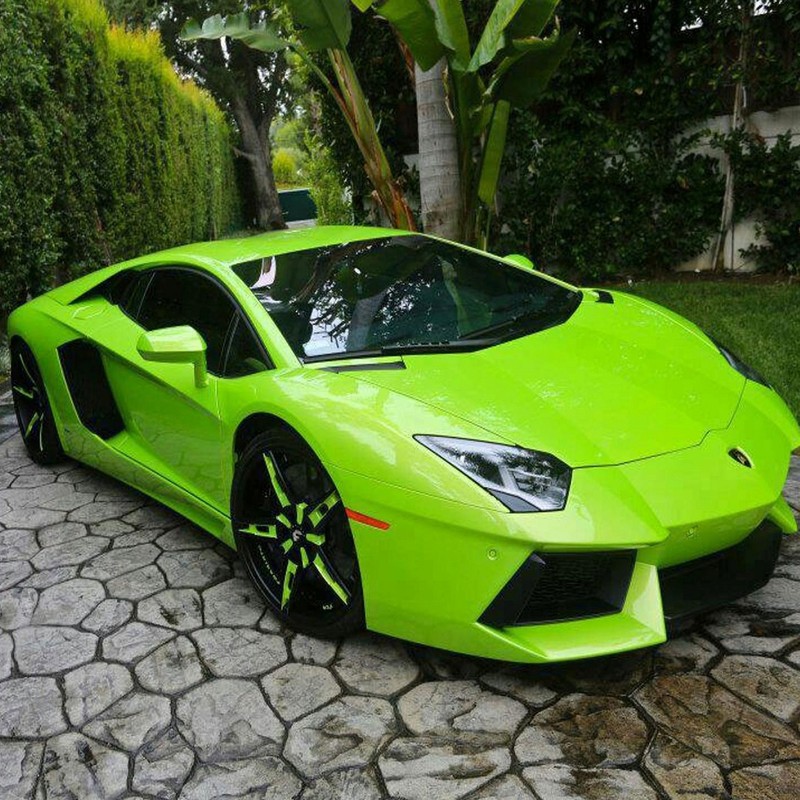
416, 23
429, 31
322, 24
493, 38
451, 27
510, 20
521, 77
531, 19
493, 152
237, 26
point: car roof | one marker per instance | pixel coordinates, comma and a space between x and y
227, 252
218, 256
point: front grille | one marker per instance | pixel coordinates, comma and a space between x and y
579, 585
558, 587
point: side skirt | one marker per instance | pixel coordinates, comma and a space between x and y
106, 458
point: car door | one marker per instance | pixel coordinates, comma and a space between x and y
172, 426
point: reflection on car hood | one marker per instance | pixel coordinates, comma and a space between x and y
616, 383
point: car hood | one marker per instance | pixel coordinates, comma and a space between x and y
615, 383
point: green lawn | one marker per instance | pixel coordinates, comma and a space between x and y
759, 322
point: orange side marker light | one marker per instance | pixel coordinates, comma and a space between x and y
363, 518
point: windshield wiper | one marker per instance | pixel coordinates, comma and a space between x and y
481, 333
530, 321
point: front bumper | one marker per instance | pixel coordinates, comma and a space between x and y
432, 576
563, 587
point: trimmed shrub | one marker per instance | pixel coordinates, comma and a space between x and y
105, 153
325, 186
284, 167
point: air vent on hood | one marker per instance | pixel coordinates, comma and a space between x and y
381, 365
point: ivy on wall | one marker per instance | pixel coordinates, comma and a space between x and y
104, 152
605, 182
768, 188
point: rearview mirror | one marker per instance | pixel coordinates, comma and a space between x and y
179, 345
521, 261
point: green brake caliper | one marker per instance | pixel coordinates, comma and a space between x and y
296, 530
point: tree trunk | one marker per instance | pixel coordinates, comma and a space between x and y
439, 179
737, 123
258, 153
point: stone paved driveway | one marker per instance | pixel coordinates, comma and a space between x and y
135, 661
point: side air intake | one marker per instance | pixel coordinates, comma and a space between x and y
89, 388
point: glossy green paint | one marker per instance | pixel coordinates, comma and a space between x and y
181, 344
635, 399
521, 261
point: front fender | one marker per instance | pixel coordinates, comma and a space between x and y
362, 428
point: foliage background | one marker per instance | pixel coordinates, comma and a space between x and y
769, 190
602, 179
105, 152
383, 76
605, 176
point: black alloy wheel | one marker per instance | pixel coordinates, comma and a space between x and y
32, 407
294, 537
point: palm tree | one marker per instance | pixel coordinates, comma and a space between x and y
510, 65
439, 173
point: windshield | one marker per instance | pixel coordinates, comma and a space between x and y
400, 294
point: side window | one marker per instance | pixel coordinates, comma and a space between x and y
134, 292
186, 297
245, 356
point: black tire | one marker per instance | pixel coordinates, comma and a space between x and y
293, 535
37, 425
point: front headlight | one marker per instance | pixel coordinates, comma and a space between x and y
740, 366
522, 480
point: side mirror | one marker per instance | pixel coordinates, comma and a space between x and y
179, 345
521, 261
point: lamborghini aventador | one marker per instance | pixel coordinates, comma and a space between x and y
406, 434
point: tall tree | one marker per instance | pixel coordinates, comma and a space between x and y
251, 84
510, 65
738, 119
439, 172
321, 26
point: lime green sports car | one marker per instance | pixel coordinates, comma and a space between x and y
404, 433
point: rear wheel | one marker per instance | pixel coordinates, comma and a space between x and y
34, 414
294, 537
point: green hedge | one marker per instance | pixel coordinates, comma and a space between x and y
104, 152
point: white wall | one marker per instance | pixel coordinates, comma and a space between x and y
769, 126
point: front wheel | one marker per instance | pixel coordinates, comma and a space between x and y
294, 537
32, 406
